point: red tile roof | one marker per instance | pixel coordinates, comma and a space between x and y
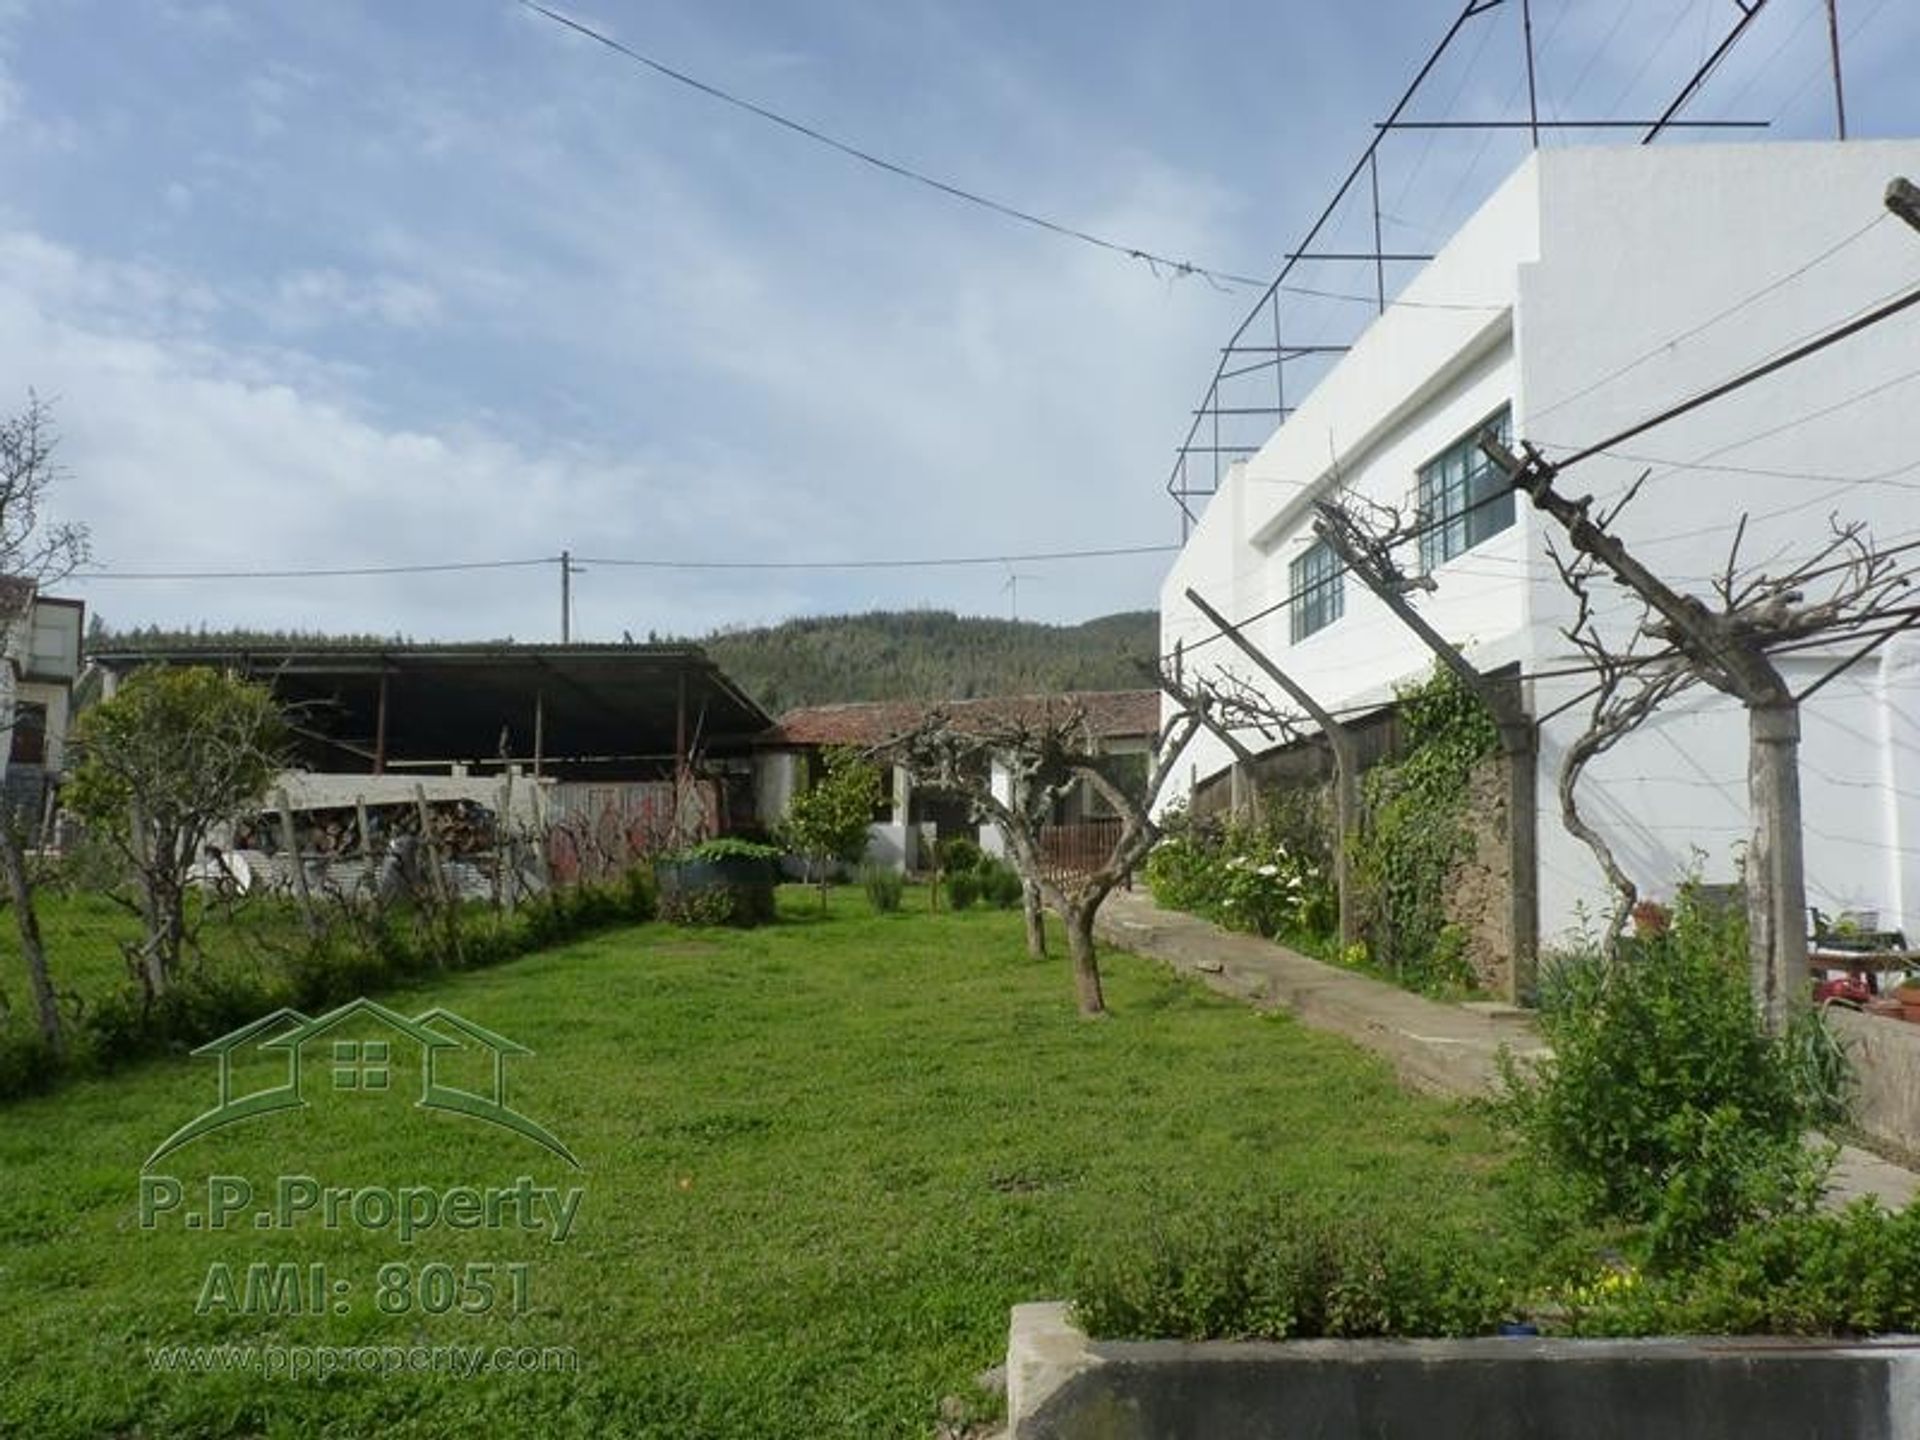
1111, 714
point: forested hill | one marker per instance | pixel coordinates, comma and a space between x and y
932, 655
881, 655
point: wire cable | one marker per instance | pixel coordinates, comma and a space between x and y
866, 157
1734, 309
330, 573
901, 563
904, 563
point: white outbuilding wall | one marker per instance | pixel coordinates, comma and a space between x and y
1595, 288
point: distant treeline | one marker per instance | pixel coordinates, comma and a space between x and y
103, 637
881, 655
932, 655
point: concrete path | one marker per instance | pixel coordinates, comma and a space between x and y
1439, 1048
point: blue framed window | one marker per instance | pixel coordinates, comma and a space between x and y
1316, 598
1464, 497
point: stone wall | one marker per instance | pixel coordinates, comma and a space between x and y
1477, 894
1886, 1067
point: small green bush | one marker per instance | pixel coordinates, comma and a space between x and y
1000, 884
957, 853
1852, 1273
963, 888
737, 905
1280, 1273
883, 886
360, 953
27, 1063
1666, 1106
1258, 877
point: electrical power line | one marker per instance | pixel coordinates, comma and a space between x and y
890, 563
1747, 377
1674, 340
903, 563
1153, 259
327, 573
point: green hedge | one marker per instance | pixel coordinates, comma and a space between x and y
355, 956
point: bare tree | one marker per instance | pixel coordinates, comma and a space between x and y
34, 551
1843, 590
1044, 751
1630, 685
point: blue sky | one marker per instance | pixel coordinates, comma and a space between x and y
320, 283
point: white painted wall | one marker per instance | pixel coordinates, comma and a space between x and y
775, 777
311, 790
1424, 374
1612, 273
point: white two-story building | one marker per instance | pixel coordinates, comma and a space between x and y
1595, 288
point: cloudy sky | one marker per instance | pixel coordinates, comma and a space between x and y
354, 283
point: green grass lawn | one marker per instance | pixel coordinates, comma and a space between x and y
85, 933
820, 1161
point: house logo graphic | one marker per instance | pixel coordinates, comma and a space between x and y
362, 1066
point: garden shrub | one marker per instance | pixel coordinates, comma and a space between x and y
1856, 1272
1000, 884
884, 886
359, 952
1665, 1104
957, 853
963, 888
1281, 1273
1255, 876
27, 1063
1415, 834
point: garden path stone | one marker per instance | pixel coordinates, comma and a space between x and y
1435, 1047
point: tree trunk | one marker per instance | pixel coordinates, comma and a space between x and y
46, 1008
1776, 876
170, 934
1036, 920
1625, 893
1347, 813
1086, 963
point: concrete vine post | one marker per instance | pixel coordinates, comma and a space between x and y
1367, 552
1348, 812
1727, 646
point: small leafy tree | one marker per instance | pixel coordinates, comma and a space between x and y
827, 822
173, 753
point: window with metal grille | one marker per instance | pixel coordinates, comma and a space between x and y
1464, 497
1317, 599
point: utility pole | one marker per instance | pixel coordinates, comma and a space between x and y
567, 571
1012, 591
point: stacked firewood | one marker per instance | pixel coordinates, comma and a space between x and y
461, 828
